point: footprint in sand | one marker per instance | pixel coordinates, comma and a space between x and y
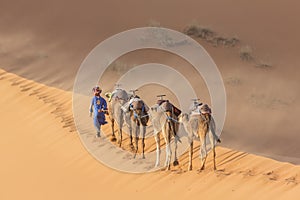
127, 157
16, 82
291, 180
271, 175
26, 89
119, 152
102, 145
222, 172
137, 162
34, 93
27, 85
248, 172
149, 167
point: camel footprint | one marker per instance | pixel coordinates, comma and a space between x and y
271, 175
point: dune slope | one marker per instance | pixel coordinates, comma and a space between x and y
43, 158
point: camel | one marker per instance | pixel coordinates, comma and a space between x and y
139, 116
164, 119
117, 99
199, 125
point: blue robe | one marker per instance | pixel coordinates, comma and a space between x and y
98, 104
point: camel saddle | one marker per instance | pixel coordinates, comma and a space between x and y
174, 109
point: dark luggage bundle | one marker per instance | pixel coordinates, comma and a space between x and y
176, 111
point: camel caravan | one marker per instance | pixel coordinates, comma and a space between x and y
128, 109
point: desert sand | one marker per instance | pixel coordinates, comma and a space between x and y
42, 156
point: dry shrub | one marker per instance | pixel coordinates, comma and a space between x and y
246, 53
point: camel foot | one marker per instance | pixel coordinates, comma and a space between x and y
218, 140
113, 139
168, 168
119, 143
175, 163
144, 157
201, 168
156, 165
190, 168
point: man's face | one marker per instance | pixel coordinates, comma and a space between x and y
97, 93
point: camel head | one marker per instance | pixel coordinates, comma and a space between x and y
137, 105
205, 109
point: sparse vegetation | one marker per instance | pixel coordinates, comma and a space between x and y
220, 40
231, 41
195, 30
233, 81
199, 31
246, 53
264, 65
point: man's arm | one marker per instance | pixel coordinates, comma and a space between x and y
91, 107
104, 106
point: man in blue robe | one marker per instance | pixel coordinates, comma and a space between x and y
99, 108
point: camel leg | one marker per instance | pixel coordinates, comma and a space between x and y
168, 156
131, 143
164, 133
214, 157
143, 141
168, 146
175, 163
120, 137
113, 138
213, 139
157, 140
190, 167
127, 120
203, 152
137, 133
212, 128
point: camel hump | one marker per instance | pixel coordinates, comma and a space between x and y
119, 94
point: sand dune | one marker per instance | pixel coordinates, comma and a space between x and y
37, 40
43, 158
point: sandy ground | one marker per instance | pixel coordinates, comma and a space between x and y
42, 156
